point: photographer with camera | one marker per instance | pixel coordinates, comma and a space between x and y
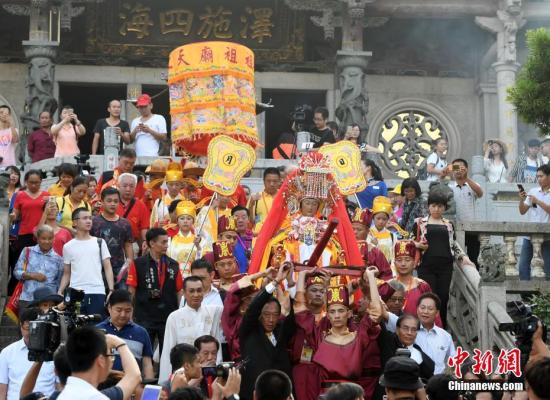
321, 133
536, 204
123, 390
14, 363
494, 160
90, 355
66, 133
9, 137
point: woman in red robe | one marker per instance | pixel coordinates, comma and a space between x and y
339, 351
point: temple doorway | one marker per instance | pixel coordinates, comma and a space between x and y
277, 119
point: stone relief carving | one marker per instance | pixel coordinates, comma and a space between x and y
492, 263
505, 25
354, 103
39, 87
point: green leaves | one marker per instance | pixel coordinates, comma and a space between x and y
531, 94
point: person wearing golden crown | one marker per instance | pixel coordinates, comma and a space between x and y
361, 222
174, 183
299, 217
379, 235
185, 247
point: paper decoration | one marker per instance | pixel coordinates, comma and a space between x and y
211, 93
228, 161
345, 161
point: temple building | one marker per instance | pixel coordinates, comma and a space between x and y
406, 71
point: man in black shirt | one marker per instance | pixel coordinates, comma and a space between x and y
321, 133
113, 121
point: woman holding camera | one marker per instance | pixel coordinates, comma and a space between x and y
66, 133
496, 166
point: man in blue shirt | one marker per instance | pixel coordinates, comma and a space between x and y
120, 324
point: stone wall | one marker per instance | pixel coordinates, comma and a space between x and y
455, 96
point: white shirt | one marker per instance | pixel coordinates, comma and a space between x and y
438, 162
14, 365
86, 267
184, 326
537, 214
212, 298
495, 173
465, 199
438, 344
77, 388
146, 144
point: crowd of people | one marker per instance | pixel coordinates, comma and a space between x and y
187, 279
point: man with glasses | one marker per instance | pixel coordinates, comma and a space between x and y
321, 133
436, 342
84, 258
406, 330
14, 363
397, 300
90, 354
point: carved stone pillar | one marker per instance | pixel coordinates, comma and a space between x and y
40, 81
505, 25
351, 69
511, 260
537, 264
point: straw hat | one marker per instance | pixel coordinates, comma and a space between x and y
191, 168
503, 145
157, 167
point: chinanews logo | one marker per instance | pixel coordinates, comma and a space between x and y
508, 362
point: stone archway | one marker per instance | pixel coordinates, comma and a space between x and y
403, 131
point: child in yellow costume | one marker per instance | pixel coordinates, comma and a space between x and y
379, 235
185, 242
174, 184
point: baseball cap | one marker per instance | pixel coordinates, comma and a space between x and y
401, 373
45, 294
143, 100
533, 143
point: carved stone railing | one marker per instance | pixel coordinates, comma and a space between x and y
509, 233
477, 304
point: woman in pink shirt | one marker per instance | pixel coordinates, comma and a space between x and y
66, 133
8, 137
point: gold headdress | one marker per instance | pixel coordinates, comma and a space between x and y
312, 180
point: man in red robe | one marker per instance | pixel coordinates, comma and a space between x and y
304, 370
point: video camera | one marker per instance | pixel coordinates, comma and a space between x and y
84, 167
222, 370
524, 326
300, 115
53, 328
